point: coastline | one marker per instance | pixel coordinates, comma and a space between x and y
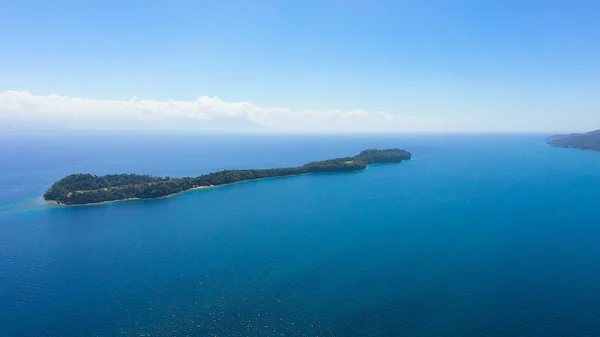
572, 148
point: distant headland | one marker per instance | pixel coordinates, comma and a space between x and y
583, 141
81, 189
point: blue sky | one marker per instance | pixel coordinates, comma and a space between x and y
499, 66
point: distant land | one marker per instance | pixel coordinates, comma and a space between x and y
81, 189
584, 141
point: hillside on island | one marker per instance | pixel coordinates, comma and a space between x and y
584, 141
77, 189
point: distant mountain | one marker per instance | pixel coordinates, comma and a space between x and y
558, 136
584, 141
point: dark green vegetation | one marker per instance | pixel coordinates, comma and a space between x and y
584, 141
78, 189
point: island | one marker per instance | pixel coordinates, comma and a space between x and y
81, 189
583, 141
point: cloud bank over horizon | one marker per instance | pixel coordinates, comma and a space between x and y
22, 110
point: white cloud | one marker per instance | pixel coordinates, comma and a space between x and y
25, 111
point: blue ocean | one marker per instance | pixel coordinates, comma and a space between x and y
478, 235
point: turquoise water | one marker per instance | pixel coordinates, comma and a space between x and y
478, 235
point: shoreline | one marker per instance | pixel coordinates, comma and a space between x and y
572, 148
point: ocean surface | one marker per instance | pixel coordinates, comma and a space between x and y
478, 235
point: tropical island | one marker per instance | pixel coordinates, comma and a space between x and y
583, 141
80, 189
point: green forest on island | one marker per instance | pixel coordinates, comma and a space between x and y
87, 188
